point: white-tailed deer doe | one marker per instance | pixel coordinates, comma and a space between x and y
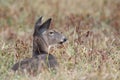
43, 38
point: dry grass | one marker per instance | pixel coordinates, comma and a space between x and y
92, 27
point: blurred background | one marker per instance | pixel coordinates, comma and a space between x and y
91, 26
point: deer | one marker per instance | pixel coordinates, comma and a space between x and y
43, 39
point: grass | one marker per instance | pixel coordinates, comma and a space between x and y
92, 28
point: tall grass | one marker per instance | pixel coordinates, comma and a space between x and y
92, 28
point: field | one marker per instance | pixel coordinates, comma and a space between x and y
92, 27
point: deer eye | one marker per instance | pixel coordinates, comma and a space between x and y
51, 33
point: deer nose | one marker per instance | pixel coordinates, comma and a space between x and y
65, 39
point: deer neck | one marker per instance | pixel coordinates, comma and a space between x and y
39, 46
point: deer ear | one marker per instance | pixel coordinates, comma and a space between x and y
38, 23
45, 25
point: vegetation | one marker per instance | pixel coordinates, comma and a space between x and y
91, 26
